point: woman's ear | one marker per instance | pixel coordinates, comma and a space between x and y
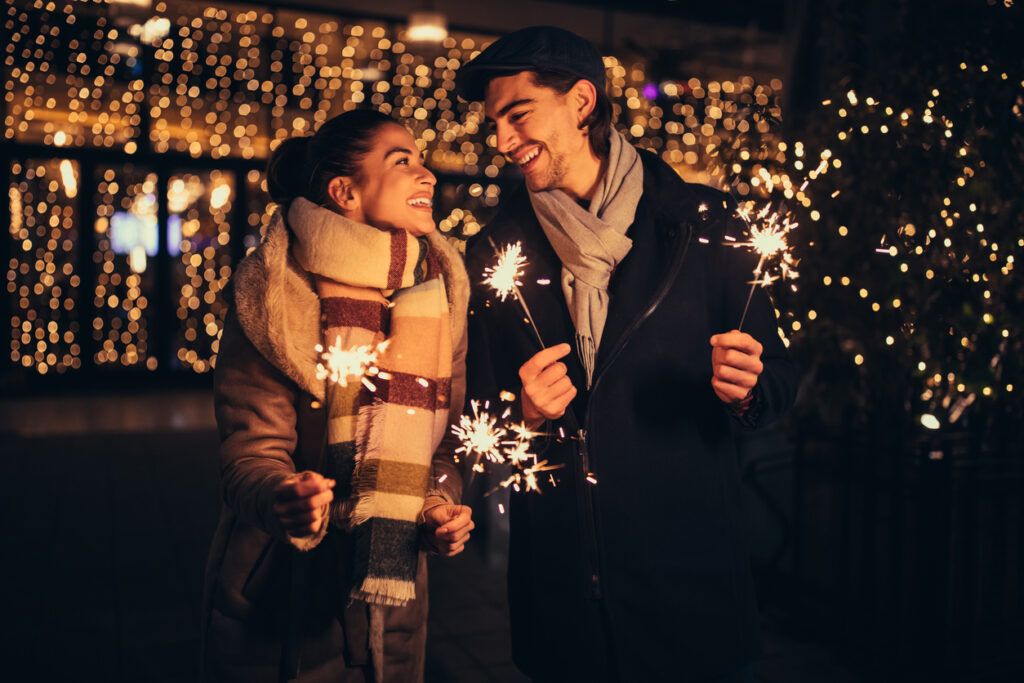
584, 99
345, 194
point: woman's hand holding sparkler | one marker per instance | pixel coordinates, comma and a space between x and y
735, 365
547, 389
446, 528
301, 503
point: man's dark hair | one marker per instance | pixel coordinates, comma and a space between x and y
599, 122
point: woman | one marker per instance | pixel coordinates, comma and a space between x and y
330, 483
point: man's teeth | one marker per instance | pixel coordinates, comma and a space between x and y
421, 201
524, 160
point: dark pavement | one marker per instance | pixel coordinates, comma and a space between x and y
108, 507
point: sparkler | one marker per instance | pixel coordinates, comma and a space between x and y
504, 277
342, 366
767, 237
480, 435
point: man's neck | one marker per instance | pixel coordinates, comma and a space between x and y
587, 175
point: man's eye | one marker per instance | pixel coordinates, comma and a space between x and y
403, 160
517, 116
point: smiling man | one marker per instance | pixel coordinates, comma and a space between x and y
643, 575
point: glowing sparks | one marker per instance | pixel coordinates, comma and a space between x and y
480, 436
526, 480
767, 232
504, 278
342, 366
505, 275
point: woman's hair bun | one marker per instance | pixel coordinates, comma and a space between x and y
288, 170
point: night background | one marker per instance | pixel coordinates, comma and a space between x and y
886, 513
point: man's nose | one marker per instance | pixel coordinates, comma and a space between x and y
506, 137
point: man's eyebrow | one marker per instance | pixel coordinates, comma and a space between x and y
398, 150
509, 107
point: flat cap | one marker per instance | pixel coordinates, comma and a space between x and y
535, 48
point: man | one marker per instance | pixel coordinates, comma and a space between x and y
641, 576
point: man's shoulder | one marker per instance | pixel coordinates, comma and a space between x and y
707, 209
665, 181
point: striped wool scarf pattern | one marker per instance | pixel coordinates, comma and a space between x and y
376, 285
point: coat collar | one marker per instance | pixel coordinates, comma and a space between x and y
279, 310
666, 215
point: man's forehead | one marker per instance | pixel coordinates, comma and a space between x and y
505, 89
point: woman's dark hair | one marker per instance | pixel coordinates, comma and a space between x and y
600, 119
304, 166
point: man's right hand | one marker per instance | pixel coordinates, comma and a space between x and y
547, 389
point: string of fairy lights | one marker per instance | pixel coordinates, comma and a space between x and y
225, 82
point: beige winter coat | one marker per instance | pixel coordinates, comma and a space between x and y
272, 420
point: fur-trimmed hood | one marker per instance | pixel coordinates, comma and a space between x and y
279, 311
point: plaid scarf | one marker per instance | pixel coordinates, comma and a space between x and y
376, 285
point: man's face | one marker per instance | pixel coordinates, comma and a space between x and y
537, 129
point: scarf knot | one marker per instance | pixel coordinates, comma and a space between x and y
591, 243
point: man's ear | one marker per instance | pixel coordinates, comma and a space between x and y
584, 98
345, 194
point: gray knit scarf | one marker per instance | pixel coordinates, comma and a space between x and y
591, 243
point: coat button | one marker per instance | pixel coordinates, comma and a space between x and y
314, 404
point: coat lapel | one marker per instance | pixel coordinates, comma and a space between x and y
659, 232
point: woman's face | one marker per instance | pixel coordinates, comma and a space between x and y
395, 189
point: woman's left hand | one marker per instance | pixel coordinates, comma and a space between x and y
446, 528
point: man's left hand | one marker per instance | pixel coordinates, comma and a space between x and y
735, 365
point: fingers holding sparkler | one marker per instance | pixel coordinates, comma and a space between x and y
447, 527
735, 365
547, 389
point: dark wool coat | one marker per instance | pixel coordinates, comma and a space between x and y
265, 589
643, 576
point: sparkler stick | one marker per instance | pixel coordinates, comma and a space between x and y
504, 277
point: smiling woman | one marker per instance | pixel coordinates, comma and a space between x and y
333, 483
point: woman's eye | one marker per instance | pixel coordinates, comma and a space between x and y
403, 160
517, 116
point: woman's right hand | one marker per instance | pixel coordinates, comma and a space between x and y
301, 503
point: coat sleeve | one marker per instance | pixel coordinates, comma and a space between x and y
776, 387
256, 418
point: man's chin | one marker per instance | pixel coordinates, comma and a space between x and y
535, 183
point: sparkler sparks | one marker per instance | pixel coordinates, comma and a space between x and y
342, 366
767, 238
527, 479
480, 435
504, 277
505, 274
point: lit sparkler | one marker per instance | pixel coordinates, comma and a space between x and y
480, 435
342, 366
505, 276
767, 238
